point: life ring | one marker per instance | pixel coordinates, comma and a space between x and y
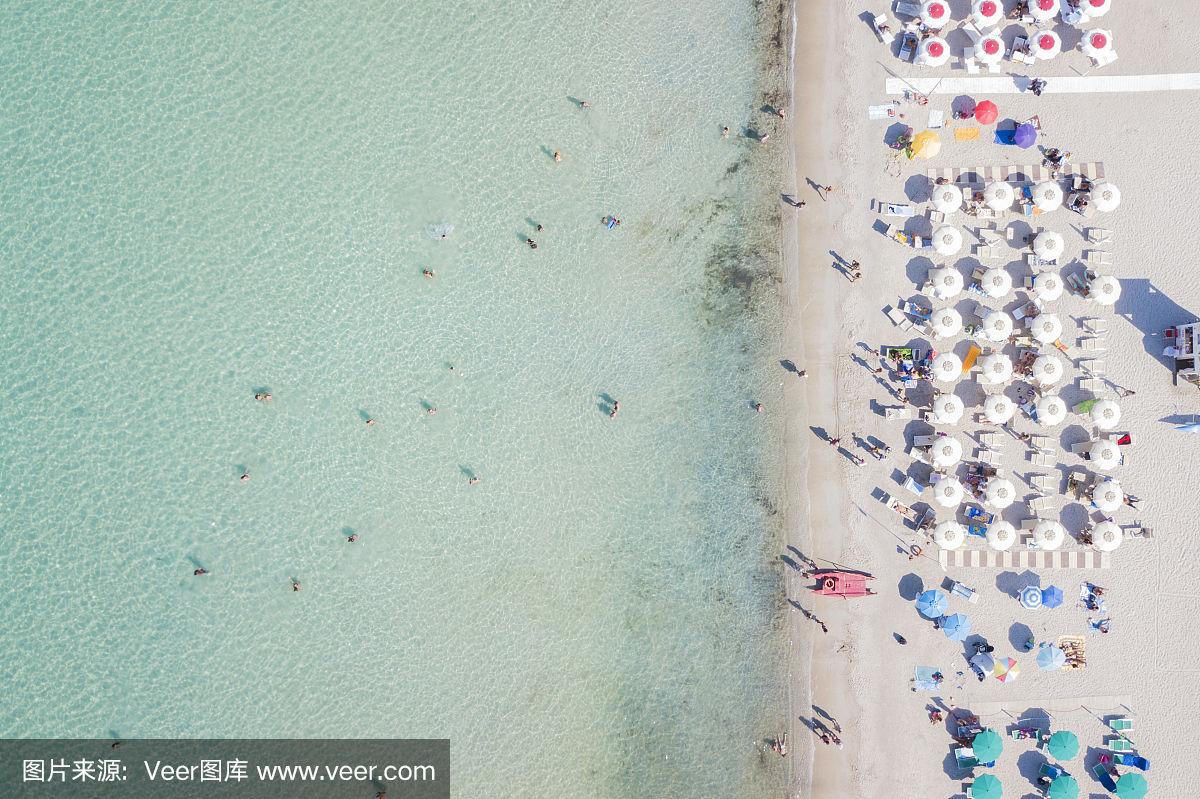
828, 583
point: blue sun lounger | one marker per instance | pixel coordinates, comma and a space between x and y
1136, 761
1101, 772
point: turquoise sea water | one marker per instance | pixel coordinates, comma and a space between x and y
204, 200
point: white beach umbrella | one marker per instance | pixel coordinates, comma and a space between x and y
1096, 43
1049, 245
1048, 195
997, 325
990, 49
946, 451
1000, 493
1105, 197
947, 367
1049, 534
996, 282
935, 51
1047, 286
947, 282
999, 408
1046, 328
1001, 535
947, 198
1108, 496
935, 13
998, 196
1048, 369
1093, 9
996, 368
1106, 414
1051, 410
949, 535
1046, 45
948, 492
947, 240
987, 13
1043, 10
948, 409
946, 322
1107, 536
1104, 289
1104, 455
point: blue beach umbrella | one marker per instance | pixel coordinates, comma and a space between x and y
1191, 427
1063, 745
1025, 135
1051, 658
1064, 787
931, 604
956, 627
1131, 786
1052, 597
1031, 597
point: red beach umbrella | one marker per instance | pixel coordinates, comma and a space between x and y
986, 112
990, 49
1043, 10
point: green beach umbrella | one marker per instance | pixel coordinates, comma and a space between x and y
1131, 786
1063, 745
987, 746
986, 787
1064, 787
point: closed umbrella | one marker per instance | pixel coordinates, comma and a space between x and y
986, 786
947, 367
987, 746
947, 240
1000, 493
1096, 8
925, 144
990, 48
1048, 245
946, 452
1031, 597
1049, 534
1063, 787
1048, 369
1107, 536
946, 282
997, 325
1104, 455
995, 368
956, 628
1131, 786
1048, 195
1006, 670
931, 604
1104, 289
946, 322
1001, 535
1108, 496
1046, 45
935, 13
1050, 410
1096, 43
999, 408
1051, 658
948, 409
1046, 328
935, 52
1106, 414
1105, 197
998, 196
1025, 135
986, 112
947, 198
949, 535
1043, 10
1052, 597
987, 13
948, 492
996, 282
1047, 286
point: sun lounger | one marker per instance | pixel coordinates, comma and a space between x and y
879, 24
886, 111
1092, 344
964, 756
1137, 531
988, 456
1041, 505
992, 439
1043, 483
1075, 284
1094, 366
912, 485
985, 253
1117, 743
1041, 459
1099, 235
1104, 58
1098, 258
1050, 771
1101, 772
899, 319
924, 441
1121, 724
972, 32
894, 209
937, 118
908, 46
1091, 385
1093, 325
1134, 761
1039, 264
969, 62
908, 9
1081, 447
1017, 55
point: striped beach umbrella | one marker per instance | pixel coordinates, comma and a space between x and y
1048, 535
1104, 455
948, 493
947, 240
1001, 535
1000, 493
947, 368
1006, 670
948, 409
1052, 597
935, 51
947, 198
1046, 328
988, 745
990, 49
945, 323
1050, 410
1043, 10
1049, 245
999, 408
1048, 195
1063, 787
1047, 45
1096, 43
956, 628
1048, 369
1104, 289
1108, 496
949, 535
1105, 414
1105, 197
1107, 536
998, 195
1031, 597
987, 13
996, 282
1047, 286
1131, 786
932, 604
946, 452
995, 368
986, 786
1051, 658
1093, 9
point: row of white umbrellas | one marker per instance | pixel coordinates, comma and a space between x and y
1050, 410
985, 14
1047, 196
946, 283
1047, 534
990, 49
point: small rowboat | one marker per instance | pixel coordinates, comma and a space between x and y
846, 584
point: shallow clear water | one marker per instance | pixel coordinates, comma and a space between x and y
209, 199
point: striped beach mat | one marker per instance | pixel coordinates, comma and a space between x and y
1012, 173
1025, 559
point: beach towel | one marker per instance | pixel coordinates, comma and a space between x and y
937, 118
923, 678
881, 111
970, 133
1008, 137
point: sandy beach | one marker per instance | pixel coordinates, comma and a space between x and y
858, 674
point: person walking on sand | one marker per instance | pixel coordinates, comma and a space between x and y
833, 442
825, 191
781, 113
802, 373
1125, 392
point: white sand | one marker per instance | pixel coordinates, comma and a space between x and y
860, 675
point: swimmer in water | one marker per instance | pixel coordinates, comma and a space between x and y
532, 244
584, 104
431, 410
725, 133
557, 157
539, 228
758, 406
200, 572
370, 423
263, 396
295, 584
245, 478
428, 273
352, 537
472, 480
616, 406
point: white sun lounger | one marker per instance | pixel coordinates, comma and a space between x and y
1042, 444
878, 22
899, 318
992, 439
1042, 483
908, 9
924, 441
1098, 258
988, 456
1105, 58
1091, 384
1092, 344
1099, 235
1041, 505
1041, 459
886, 111
969, 62
985, 253
1093, 325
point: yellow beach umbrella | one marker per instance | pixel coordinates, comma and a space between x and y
925, 144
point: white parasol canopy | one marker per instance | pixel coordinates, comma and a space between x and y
1104, 455
935, 51
1106, 414
1048, 369
1107, 536
990, 48
1104, 289
1047, 286
947, 198
995, 368
947, 282
987, 13
1049, 245
1043, 10
1046, 328
999, 196
1093, 9
946, 451
948, 409
1046, 45
947, 240
1048, 195
997, 325
1049, 534
1000, 493
946, 322
996, 282
1096, 43
999, 408
947, 367
949, 535
1108, 496
1051, 410
1001, 535
948, 492
1105, 197
935, 13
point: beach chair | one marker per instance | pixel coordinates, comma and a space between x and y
1041, 505
1118, 743
899, 413
1041, 459
908, 46
985, 253
899, 318
969, 62
1093, 325
1043, 483
964, 756
1121, 724
1091, 385
912, 485
1134, 761
1097, 258
903, 210
972, 32
1137, 531
923, 679
1043, 444
1103, 59
879, 24
988, 456
907, 9
1081, 447
1102, 774
1092, 344
1093, 366
1017, 55
1075, 284
1099, 235
1050, 771
924, 441
992, 439
935, 217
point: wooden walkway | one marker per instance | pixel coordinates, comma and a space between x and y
980, 176
1064, 84
1025, 559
